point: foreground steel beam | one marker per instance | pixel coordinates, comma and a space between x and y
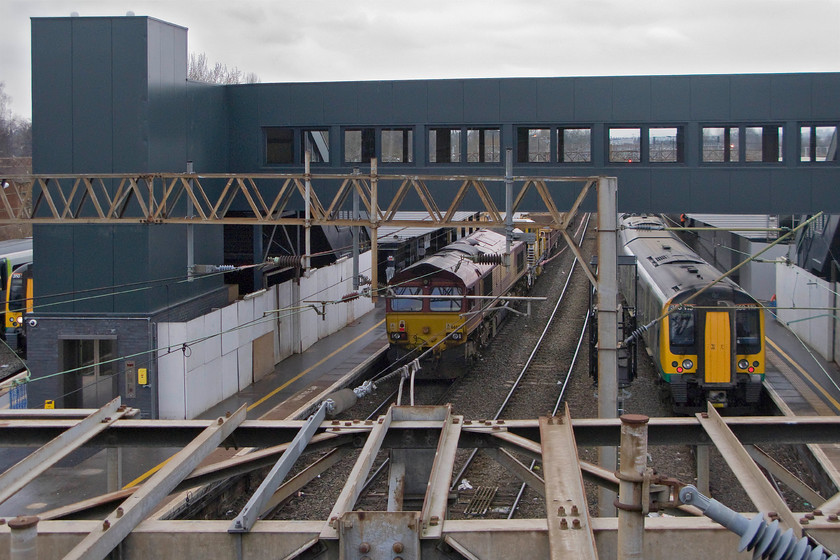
570, 532
757, 487
99, 543
46, 456
750, 430
356, 480
261, 497
437, 493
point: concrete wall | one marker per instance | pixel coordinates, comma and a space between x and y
221, 359
796, 288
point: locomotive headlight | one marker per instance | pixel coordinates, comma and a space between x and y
20, 320
743, 364
687, 364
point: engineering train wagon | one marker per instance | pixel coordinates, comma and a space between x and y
708, 347
448, 301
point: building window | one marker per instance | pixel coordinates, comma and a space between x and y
279, 145
721, 144
574, 145
317, 142
444, 145
625, 145
359, 145
533, 145
665, 145
818, 143
483, 145
763, 143
397, 145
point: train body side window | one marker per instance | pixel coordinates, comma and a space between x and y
747, 331
407, 304
681, 330
445, 304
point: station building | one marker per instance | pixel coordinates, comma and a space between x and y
111, 95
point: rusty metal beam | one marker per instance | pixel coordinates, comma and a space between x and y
757, 487
91, 198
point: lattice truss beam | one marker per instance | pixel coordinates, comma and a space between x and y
268, 198
415, 436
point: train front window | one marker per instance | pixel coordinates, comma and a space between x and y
448, 304
407, 304
681, 330
17, 293
747, 331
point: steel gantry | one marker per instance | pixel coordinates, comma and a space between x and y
421, 443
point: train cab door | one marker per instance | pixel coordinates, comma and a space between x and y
718, 339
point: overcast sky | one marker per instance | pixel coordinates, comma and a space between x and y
338, 40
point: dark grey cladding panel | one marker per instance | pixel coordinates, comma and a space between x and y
272, 101
208, 128
750, 99
556, 100
593, 99
54, 246
445, 101
631, 99
823, 189
341, 103
246, 142
308, 101
670, 98
710, 98
633, 187
783, 182
130, 98
93, 265
824, 97
750, 190
710, 189
167, 90
411, 101
790, 97
518, 99
93, 109
131, 265
376, 103
484, 106
52, 106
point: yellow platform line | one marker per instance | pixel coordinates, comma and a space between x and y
155, 469
806, 375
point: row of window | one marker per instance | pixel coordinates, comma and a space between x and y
573, 145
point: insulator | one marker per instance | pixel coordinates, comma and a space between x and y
364, 280
766, 539
487, 259
287, 260
225, 268
364, 389
350, 297
636, 334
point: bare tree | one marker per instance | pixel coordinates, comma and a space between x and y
15, 132
200, 71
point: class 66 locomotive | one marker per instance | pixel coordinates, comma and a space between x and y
706, 338
445, 307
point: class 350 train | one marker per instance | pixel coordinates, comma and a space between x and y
705, 334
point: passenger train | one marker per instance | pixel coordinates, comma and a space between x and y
709, 344
452, 301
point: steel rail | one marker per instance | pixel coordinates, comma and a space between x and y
563, 387
457, 478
